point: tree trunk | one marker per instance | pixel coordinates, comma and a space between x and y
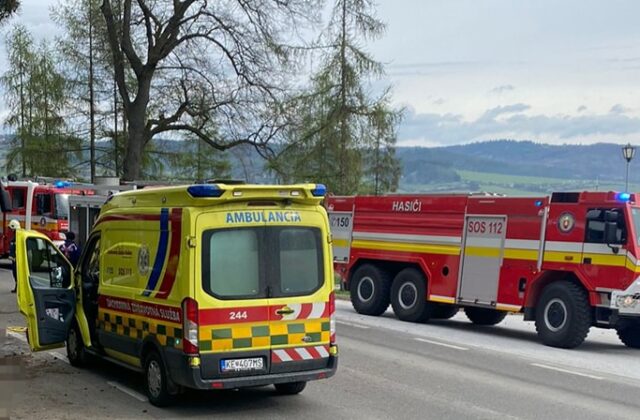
92, 109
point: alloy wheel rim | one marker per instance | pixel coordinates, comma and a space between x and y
154, 378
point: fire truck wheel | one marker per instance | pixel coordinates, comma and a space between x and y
409, 296
370, 290
563, 315
629, 333
444, 311
484, 316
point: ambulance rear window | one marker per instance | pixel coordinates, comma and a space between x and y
232, 264
257, 262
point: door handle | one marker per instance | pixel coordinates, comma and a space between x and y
285, 311
586, 260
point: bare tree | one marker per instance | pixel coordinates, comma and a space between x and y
211, 70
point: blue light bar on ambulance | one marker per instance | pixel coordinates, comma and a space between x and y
623, 196
319, 191
205, 190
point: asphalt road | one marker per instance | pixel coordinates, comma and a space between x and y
388, 370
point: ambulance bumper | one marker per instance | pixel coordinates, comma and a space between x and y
626, 303
191, 376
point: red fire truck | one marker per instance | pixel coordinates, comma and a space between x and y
568, 261
39, 206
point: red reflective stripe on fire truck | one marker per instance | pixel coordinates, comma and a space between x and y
137, 307
174, 255
299, 353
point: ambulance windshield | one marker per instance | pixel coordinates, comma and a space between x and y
262, 262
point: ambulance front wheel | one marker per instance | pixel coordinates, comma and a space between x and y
409, 296
156, 381
563, 315
75, 347
369, 289
290, 388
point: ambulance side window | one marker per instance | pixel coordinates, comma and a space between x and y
596, 221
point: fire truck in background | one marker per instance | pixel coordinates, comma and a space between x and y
39, 205
568, 262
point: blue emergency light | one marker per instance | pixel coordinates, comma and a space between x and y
319, 191
61, 184
623, 196
205, 190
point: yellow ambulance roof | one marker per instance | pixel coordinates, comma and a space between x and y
203, 195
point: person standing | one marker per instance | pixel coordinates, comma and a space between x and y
70, 249
14, 225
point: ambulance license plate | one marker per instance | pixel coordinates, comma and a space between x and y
241, 365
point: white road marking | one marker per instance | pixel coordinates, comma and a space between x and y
351, 324
437, 343
571, 372
23, 338
130, 392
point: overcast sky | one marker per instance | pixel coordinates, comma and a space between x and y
553, 71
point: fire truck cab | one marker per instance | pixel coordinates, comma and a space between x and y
568, 262
43, 207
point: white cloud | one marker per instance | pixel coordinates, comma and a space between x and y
515, 122
501, 89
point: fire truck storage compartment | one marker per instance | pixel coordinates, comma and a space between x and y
83, 211
483, 254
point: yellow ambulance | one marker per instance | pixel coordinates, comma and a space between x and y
206, 286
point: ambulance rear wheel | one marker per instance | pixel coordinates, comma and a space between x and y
409, 296
484, 316
156, 381
290, 388
563, 315
75, 347
629, 333
370, 290
444, 311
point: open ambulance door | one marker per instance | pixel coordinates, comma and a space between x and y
45, 291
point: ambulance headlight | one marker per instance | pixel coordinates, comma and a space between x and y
319, 191
205, 190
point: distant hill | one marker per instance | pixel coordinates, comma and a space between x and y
509, 166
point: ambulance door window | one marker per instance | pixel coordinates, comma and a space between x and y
231, 263
47, 266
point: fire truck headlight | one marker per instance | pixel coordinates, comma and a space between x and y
627, 301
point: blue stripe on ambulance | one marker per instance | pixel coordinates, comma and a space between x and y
161, 255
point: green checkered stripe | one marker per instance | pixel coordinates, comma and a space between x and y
139, 328
238, 337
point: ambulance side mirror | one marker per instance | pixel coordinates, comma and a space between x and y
5, 201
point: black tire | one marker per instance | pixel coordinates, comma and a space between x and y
76, 353
369, 289
629, 333
409, 296
444, 311
156, 381
484, 316
563, 315
290, 388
